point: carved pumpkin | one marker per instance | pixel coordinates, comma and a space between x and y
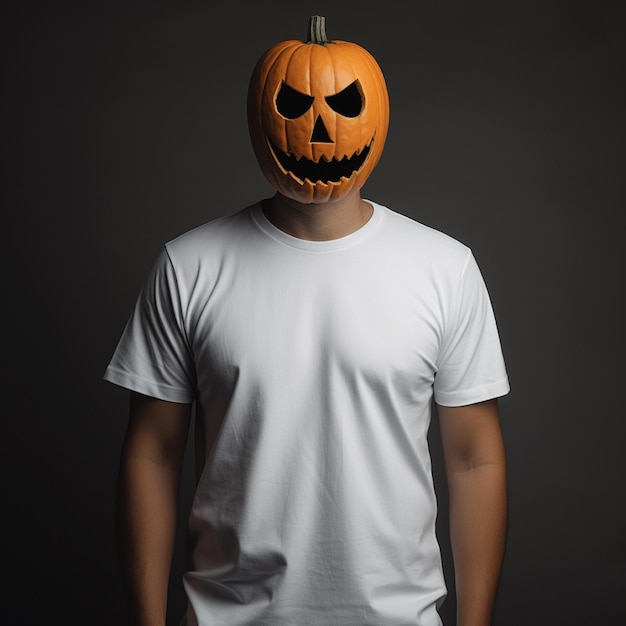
318, 113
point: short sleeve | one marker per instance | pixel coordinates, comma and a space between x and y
153, 356
471, 366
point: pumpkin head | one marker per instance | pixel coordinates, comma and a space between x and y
318, 113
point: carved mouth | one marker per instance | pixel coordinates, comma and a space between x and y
323, 171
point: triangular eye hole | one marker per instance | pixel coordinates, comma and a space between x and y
348, 102
291, 103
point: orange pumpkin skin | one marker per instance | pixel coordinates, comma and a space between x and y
319, 71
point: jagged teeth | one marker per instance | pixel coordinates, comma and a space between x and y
325, 170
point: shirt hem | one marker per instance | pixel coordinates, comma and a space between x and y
472, 396
147, 387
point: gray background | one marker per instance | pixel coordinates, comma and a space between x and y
125, 125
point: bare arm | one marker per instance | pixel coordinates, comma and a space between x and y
476, 474
147, 502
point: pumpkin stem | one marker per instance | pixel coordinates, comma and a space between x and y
317, 30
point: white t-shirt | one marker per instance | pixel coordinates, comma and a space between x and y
313, 365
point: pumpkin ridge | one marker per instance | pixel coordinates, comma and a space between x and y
293, 51
261, 72
363, 55
313, 107
332, 63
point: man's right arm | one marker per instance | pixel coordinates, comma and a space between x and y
147, 503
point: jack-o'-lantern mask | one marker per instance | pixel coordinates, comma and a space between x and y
318, 113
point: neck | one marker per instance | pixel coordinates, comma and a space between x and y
318, 222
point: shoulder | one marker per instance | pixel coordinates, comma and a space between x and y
422, 243
198, 255
211, 237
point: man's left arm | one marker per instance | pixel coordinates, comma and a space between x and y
476, 474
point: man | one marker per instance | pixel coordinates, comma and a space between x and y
312, 331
